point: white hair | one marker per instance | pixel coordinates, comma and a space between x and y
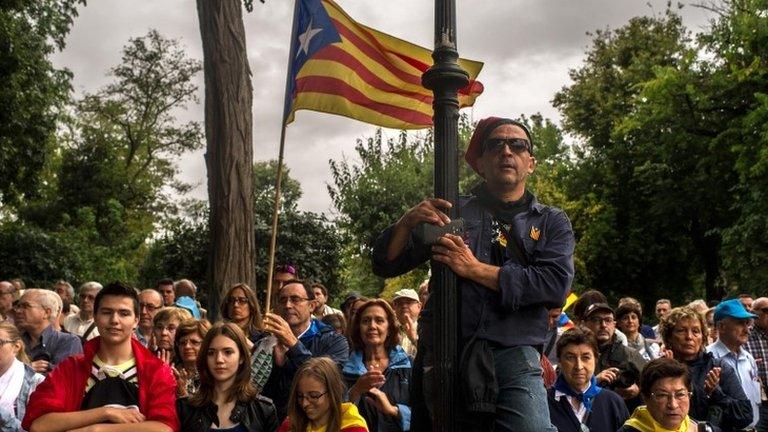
48, 300
70, 290
88, 286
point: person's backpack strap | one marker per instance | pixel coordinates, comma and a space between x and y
88, 331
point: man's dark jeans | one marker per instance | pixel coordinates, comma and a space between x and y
522, 401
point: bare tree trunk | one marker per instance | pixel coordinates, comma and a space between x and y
229, 156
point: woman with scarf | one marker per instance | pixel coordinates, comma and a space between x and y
666, 388
17, 379
576, 402
629, 319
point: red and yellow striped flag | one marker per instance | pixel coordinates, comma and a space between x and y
342, 67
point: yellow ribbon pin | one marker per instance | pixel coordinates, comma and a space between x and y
535, 233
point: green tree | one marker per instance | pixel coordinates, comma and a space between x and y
33, 93
109, 185
652, 192
306, 239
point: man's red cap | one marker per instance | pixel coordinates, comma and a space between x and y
482, 131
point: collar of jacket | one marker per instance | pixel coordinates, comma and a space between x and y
398, 359
534, 206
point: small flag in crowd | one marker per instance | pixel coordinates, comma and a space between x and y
341, 67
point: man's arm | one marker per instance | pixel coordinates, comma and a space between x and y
394, 253
97, 419
544, 281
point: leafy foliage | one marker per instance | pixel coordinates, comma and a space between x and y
33, 92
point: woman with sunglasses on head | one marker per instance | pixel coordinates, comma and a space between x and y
189, 338
17, 379
226, 400
378, 371
315, 403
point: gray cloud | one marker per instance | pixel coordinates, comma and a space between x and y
528, 47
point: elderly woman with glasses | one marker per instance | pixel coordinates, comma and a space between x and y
666, 388
164, 326
189, 338
576, 402
717, 393
378, 371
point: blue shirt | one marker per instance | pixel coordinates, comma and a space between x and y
746, 368
57, 345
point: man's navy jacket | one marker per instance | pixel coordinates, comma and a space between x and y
516, 315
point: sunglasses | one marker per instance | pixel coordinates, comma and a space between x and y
516, 145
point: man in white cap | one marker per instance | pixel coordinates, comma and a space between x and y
407, 307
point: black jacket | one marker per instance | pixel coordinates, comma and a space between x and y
608, 413
628, 361
727, 406
257, 416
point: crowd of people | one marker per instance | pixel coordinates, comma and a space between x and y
151, 360
116, 359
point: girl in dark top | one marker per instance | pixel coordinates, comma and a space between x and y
226, 397
576, 400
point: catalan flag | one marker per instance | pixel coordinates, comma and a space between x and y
342, 67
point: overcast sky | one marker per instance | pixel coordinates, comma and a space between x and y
527, 46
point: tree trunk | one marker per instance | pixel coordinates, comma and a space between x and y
229, 156
708, 247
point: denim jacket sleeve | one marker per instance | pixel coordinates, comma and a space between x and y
413, 255
548, 276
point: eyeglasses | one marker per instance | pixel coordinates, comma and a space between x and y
601, 320
25, 305
680, 396
7, 292
292, 299
238, 300
191, 342
312, 397
516, 145
87, 297
149, 307
7, 341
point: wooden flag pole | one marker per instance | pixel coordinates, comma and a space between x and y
278, 180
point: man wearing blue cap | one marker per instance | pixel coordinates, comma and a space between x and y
733, 324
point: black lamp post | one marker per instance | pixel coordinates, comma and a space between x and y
445, 78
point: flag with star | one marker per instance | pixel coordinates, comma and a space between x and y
341, 67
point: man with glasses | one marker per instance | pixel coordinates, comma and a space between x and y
34, 313
150, 301
300, 336
733, 324
81, 324
67, 293
619, 366
514, 263
757, 345
7, 291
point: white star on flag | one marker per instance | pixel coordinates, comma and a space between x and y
306, 37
